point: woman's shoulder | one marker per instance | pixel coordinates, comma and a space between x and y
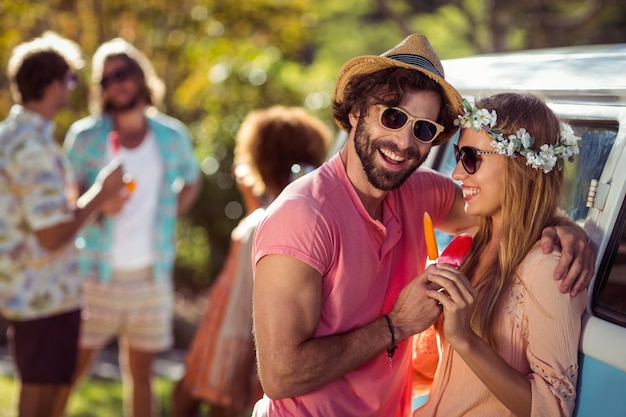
537, 267
536, 275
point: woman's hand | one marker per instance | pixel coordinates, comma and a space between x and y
456, 295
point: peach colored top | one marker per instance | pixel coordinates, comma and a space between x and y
538, 334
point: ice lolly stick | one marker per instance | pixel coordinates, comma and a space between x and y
429, 235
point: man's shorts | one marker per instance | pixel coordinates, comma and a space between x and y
132, 307
45, 349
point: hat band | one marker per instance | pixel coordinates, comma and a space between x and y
416, 61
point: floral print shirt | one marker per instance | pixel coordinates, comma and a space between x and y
36, 191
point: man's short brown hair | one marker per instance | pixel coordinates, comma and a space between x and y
35, 64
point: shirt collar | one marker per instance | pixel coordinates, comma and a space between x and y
21, 113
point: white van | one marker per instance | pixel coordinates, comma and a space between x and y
585, 86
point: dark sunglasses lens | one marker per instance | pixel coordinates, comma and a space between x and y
467, 156
424, 130
118, 76
393, 119
468, 159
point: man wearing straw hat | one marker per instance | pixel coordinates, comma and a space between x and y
339, 258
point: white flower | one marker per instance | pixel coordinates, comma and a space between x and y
462, 120
524, 137
567, 136
547, 157
484, 120
547, 150
511, 147
501, 145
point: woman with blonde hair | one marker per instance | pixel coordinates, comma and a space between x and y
508, 339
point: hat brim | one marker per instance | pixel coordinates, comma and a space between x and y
369, 64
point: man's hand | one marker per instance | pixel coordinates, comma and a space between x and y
114, 205
577, 264
111, 179
414, 311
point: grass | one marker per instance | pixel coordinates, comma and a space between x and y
94, 398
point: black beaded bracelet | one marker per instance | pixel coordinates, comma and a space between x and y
391, 349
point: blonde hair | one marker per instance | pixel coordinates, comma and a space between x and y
529, 205
270, 141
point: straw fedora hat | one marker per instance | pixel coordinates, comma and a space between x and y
415, 53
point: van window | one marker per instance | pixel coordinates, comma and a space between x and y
597, 141
609, 296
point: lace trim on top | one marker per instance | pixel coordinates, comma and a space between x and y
514, 307
562, 385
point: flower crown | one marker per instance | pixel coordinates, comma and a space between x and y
545, 158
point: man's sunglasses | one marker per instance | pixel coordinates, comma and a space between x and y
424, 130
71, 80
119, 75
469, 157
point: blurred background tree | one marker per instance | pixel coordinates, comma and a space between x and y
222, 58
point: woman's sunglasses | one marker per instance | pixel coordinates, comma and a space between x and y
424, 130
119, 75
469, 157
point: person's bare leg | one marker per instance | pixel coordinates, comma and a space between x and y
137, 380
60, 401
219, 411
183, 404
84, 362
36, 400
29, 399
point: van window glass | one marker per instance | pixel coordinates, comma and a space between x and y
597, 141
609, 297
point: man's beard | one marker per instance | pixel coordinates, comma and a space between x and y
124, 107
367, 148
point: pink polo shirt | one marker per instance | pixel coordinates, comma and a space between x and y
320, 220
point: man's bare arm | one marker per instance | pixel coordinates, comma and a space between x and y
287, 308
108, 184
187, 196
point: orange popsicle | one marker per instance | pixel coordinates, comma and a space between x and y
130, 183
429, 235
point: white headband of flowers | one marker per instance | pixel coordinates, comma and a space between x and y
545, 158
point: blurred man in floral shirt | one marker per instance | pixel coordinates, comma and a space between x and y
41, 213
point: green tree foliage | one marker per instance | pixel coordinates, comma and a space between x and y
221, 59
